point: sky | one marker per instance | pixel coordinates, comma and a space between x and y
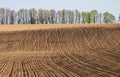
112, 6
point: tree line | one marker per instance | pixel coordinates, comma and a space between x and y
42, 16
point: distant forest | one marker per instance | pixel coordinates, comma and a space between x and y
42, 16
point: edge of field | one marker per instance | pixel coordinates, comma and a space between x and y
23, 27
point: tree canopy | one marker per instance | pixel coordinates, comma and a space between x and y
42, 16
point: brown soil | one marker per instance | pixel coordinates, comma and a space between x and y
72, 50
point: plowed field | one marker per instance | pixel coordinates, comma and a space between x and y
72, 50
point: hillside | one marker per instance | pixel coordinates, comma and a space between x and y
71, 50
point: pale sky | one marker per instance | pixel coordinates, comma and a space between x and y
112, 6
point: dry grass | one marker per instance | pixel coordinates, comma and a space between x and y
72, 50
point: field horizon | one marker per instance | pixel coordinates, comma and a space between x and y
57, 50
